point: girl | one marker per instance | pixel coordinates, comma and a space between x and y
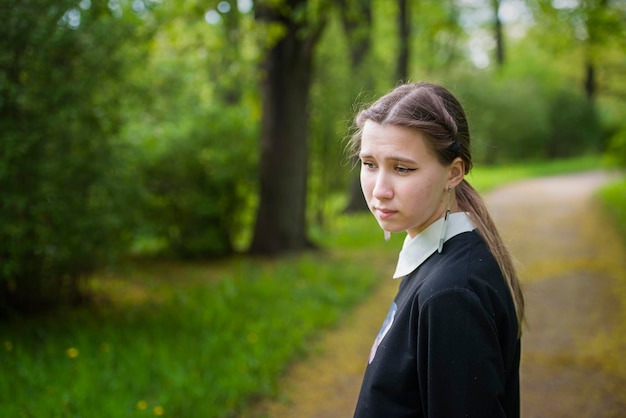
450, 345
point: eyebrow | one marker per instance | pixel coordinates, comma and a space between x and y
391, 158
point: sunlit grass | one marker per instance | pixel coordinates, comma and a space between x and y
613, 197
200, 340
605, 348
179, 345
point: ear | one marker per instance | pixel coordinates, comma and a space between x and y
456, 172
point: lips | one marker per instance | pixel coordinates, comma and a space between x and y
383, 213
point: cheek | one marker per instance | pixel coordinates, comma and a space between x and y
429, 192
366, 183
421, 195
434, 193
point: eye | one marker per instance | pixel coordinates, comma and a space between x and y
404, 170
369, 165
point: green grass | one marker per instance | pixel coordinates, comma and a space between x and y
200, 340
176, 338
484, 178
613, 198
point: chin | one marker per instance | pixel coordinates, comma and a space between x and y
390, 228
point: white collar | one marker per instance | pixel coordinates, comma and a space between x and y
415, 251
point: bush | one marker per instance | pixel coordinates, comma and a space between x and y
508, 120
518, 118
194, 136
61, 213
575, 127
198, 185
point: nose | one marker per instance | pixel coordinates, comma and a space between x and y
382, 187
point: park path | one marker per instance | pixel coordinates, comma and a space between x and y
572, 267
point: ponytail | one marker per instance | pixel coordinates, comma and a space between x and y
470, 201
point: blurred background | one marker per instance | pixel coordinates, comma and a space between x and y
167, 166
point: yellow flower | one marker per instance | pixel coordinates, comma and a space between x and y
72, 352
158, 410
8, 345
142, 405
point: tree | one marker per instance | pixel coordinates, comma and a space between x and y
63, 211
195, 133
356, 18
286, 79
498, 33
404, 38
596, 26
588, 26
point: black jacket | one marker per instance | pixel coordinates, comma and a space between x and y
450, 344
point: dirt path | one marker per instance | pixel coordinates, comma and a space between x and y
572, 266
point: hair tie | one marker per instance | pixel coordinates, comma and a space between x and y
455, 147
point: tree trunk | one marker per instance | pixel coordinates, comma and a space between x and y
281, 216
357, 24
404, 38
595, 21
356, 202
590, 80
498, 34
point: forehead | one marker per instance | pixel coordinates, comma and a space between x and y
391, 141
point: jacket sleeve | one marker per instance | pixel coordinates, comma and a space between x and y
460, 365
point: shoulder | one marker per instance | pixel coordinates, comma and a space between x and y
466, 268
465, 278
465, 258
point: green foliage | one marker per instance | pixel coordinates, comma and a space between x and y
137, 120
195, 141
332, 92
507, 118
199, 185
60, 176
526, 117
438, 36
617, 147
590, 25
574, 124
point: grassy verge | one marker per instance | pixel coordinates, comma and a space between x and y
609, 345
613, 197
484, 178
199, 340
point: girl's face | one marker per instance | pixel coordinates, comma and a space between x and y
403, 182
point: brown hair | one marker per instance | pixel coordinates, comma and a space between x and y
438, 114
